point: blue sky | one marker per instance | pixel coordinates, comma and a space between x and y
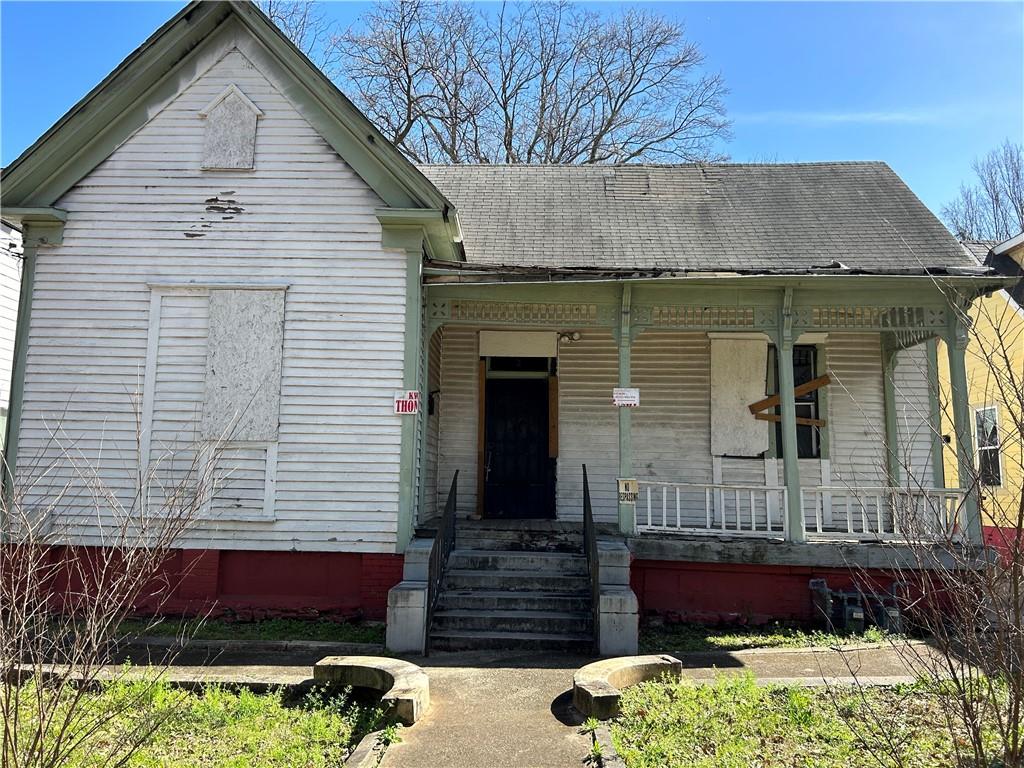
925, 87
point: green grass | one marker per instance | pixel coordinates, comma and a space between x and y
222, 729
735, 723
268, 629
683, 637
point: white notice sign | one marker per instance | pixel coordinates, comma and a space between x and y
407, 402
626, 397
629, 490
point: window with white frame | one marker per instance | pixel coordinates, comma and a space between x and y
986, 424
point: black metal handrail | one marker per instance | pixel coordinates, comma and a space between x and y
444, 542
593, 561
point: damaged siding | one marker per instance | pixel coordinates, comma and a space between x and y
301, 218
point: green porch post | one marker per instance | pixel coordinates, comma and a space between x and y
892, 458
627, 512
787, 402
935, 415
410, 239
956, 348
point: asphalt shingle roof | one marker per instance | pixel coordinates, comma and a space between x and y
696, 217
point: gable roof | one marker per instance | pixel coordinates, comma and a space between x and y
739, 218
119, 105
978, 248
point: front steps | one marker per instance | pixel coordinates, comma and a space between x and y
515, 585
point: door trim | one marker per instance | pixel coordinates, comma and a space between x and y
481, 432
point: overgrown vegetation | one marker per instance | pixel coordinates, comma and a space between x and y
267, 629
219, 728
736, 723
687, 638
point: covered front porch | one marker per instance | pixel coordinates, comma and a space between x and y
798, 409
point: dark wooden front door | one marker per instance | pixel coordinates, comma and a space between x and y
518, 473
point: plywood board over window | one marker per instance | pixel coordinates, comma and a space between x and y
737, 379
243, 365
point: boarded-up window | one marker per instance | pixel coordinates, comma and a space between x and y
212, 394
737, 380
229, 141
243, 365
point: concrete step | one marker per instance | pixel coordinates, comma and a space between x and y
509, 580
542, 562
493, 599
511, 540
538, 622
459, 640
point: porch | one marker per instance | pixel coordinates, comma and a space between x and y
867, 443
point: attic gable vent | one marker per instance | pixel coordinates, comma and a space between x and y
230, 139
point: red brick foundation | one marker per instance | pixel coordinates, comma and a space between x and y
256, 584
723, 592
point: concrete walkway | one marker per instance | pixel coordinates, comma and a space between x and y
495, 709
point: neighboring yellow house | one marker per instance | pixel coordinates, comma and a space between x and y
995, 373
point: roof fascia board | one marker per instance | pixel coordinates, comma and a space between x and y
430, 221
109, 113
1008, 245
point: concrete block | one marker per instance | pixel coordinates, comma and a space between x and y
416, 566
407, 617
619, 617
405, 686
614, 557
596, 688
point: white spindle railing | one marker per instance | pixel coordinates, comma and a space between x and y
712, 508
881, 513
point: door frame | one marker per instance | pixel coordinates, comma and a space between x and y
481, 424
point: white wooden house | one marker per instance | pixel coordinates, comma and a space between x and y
217, 241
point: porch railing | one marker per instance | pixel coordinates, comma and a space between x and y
712, 508
881, 513
593, 561
444, 541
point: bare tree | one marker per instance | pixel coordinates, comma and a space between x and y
308, 26
62, 602
546, 82
968, 603
993, 207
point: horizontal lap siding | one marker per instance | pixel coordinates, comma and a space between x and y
672, 425
588, 432
856, 412
308, 221
458, 403
913, 416
433, 425
10, 289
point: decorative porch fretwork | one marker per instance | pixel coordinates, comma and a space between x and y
668, 316
871, 318
522, 313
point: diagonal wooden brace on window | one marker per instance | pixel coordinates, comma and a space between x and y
773, 401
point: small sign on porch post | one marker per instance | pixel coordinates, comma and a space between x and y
625, 397
407, 402
629, 490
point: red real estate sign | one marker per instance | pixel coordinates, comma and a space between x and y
407, 402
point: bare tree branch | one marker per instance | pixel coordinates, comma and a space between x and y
993, 207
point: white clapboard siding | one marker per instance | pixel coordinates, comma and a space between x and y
431, 494
588, 430
460, 362
240, 483
913, 416
856, 411
302, 218
672, 425
10, 288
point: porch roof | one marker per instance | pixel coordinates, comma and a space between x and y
792, 218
